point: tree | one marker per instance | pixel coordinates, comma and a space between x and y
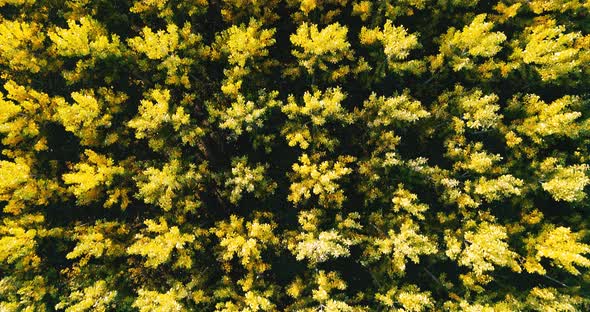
294, 155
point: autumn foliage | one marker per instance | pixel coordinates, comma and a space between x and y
294, 155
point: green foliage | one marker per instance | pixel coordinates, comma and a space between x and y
294, 155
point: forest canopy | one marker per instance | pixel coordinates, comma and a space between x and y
294, 155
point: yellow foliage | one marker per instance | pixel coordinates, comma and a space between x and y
157, 45
152, 113
319, 179
386, 111
84, 37
496, 189
362, 9
542, 6
474, 40
316, 48
88, 114
480, 111
408, 243
405, 200
16, 2
244, 46
23, 111
243, 43
12, 176
549, 299
94, 242
327, 282
554, 119
161, 185
397, 44
409, 297
476, 161
565, 183
18, 244
19, 189
549, 49
245, 179
486, 248
245, 115
90, 176
158, 249
165, 8
319, 107
153, 301
18, 42
236, 10
93, 298
561, 246
321, 247
245, 242
168, 48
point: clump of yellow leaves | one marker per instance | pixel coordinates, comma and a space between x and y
244, 43
246, 242
13, 179
550, 50
237, 10
474, 157
19, 187
165, 8
172, 50
90, 178
154, 301
328, 10
564, 183
163, 187
397, 45
157, 45
388, 111
152, 113
18, 43
319, 246
542, 6
95, 241
474, 41
320, 179
89, 113
96, 297
561, 246
245, 47
86, 39
407, 243
558, 118
325, 296
158, 249
496, 189
485, 248
550, 299
245, 179
155, 113
18, 241
315, 49
327, 245
319, 108
404, 200
23, 111
480, 112
246, 115
409, 297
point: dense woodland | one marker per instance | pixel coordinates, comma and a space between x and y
294, 155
